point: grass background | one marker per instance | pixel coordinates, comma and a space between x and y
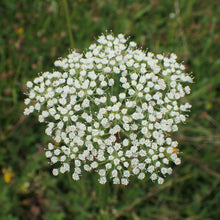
35, 33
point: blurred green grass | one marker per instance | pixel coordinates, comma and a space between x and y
35, 33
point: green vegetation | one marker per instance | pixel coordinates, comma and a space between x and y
35, 33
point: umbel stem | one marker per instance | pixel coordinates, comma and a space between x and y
102, 195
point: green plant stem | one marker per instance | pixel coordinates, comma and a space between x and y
68, 23
153, 192
103, 193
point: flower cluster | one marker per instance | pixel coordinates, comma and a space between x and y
111, 110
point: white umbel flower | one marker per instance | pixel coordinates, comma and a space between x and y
110, 110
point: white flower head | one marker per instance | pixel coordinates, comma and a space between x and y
110, 110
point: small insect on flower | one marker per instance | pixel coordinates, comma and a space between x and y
111, 110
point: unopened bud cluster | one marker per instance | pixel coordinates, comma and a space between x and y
111, 110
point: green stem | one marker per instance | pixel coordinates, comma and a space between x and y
103, 193
68, 23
